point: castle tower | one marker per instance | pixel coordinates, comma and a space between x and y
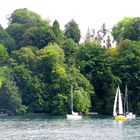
88, 36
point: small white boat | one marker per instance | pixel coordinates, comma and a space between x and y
129, 115
73, 115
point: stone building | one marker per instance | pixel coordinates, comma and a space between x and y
103, 37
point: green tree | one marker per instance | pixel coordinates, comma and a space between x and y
29, 83
127, 28
70, 48
51, 61
82, 101
16, 31
58, 33
22, 20
37, 102
3, 54
94, 64
59, 104
82, 90
127, 67
24, 56
24, 16
44, 80
56, 28
51, 66
6, 40
72, 31
23, 78
39, 35
10, 97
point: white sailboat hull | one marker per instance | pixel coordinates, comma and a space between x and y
130, 115
74, 117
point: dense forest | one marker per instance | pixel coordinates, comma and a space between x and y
39, 63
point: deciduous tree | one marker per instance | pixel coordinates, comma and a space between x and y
72, 31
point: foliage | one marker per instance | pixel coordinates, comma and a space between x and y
59, 104
16, 31
6, 40
27, 28
3, 54
127, 28
3, 73
54, 89
82, 89
24, 56
127, 67
39, 35
72, 31
24, 16
82, 103
70, 48
58, 33
10, 96
94, 64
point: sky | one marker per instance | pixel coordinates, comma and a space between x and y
87, 13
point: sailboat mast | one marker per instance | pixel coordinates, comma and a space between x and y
72, 98
126, 99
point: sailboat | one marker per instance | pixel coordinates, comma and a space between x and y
118, 107
128, 114
73, 115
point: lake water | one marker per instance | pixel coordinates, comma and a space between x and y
59, 128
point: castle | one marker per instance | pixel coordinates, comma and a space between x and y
103, 37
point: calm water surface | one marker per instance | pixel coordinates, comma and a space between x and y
59, 128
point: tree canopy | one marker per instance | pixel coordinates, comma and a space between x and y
72, 31
24, 16
127, 28
3, 54
6, 40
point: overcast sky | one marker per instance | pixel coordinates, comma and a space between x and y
87, 13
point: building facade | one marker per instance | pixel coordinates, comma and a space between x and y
103, 37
